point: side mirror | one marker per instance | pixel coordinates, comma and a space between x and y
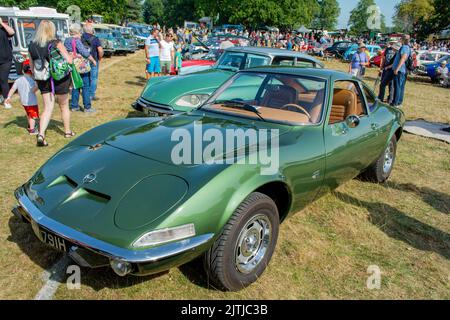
352, 121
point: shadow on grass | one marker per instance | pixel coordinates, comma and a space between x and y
44, 256
194, 271
22, 234
22, 122
138, 82
438, 200
400, 226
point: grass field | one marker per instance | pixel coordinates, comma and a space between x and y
323, 252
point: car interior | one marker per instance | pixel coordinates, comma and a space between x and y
293, 99
282, 98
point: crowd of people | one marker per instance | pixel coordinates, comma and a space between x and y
51, 70
82, 50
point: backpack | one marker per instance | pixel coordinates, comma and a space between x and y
410, 63
59, 67
41, 67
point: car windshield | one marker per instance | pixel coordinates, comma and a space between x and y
280, 98
236, 61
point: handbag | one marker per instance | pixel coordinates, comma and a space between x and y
41, 67
77, 81
82, 64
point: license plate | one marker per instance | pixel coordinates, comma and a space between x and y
50, 238
153, 113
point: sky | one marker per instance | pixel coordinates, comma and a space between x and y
386, 7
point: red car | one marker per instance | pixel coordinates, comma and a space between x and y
376, 61
187, 64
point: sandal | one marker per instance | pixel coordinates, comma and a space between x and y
69, 134
41, 142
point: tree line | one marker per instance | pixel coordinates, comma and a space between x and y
419, 17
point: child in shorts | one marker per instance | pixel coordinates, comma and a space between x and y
27, 87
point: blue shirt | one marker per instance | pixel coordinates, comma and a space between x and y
289, 45
79, 46
153, 46
403, 50
358, 58
94, 42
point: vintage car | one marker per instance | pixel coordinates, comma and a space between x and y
171, 95
372, 49
109, 44
338, 48
427, 57
121, 43
430, 69
119, 195
192, 66
25, 24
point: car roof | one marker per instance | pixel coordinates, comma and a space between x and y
274, 52
310, 72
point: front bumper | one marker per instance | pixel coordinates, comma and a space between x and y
154, 109
91, 252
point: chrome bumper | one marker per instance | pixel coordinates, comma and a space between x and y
85, 242
151, 107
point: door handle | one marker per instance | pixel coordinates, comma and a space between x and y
375, 126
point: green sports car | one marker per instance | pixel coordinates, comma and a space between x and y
173, 95
143, 195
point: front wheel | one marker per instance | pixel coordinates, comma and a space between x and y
381, 170
243, 250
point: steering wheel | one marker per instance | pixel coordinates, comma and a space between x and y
300, 108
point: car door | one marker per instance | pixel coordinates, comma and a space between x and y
351, 146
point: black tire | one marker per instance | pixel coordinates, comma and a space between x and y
377, 172
220, 260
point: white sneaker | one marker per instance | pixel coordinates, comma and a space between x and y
7, 105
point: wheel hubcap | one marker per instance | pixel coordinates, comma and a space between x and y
252, 243
388, 158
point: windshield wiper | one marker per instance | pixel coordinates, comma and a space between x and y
241, 105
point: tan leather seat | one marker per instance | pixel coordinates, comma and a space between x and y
317, 106
344, 104
278, 96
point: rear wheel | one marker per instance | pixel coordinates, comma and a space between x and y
241, 253
381, 170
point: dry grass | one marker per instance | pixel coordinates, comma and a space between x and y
323, 252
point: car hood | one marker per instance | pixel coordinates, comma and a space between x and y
159, 140
169, 90
99, 190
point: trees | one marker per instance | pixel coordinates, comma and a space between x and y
410, 13
153, 11
422, 17
364, 19
327, 16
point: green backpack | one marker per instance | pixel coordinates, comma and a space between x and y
59, 67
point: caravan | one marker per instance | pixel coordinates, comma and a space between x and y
25, 24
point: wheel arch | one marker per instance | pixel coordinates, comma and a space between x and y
281, 194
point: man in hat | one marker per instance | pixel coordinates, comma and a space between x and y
359, 61
442, 72
400, 71
387, 74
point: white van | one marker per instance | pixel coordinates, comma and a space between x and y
25, 24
